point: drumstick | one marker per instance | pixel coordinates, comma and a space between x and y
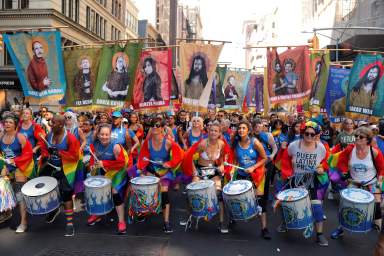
237, 167
42, 137
151, 161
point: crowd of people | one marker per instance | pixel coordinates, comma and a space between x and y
178, 147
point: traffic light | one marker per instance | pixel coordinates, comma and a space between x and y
313, 42
1, 43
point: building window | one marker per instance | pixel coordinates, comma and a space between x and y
7, 4
97, 24
93, 21
87, 18
113, 7
24, 4
64, 7
70, 9
77, 10
105, 25
112, 32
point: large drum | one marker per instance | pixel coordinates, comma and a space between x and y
296, 205
98, 195
7, 197
41, 195
202, 199
145, 194
356, 210
239, 197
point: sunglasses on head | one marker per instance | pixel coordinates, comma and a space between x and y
359, 136
68, 117
310, 134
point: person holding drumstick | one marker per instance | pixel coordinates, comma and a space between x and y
110, 159
155, 159
16, 152
60, 155
301, 156
363, 166
251, 157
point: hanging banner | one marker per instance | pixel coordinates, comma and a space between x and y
319, 77
198, 63
235, 87
175, 91
254, 93
39, 64
115, 76
335, 100
81, 66
212, 96
152, 89
219, 80
365, 87
288, 77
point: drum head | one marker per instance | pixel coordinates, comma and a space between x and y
357, 195
292, 194
97, 182
237, 187
145, 180
202, 184
39, 186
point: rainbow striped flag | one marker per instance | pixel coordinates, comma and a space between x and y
24, 162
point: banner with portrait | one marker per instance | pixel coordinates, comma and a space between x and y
365, 87
254, 93
152, 88
319, 76
81, 66
175, 85
234, 88
219, 81
116, 74
39, 64
288, 74
335, 100
197, 64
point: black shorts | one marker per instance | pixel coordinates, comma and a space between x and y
200, 173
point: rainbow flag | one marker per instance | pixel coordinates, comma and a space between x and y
72, 159
24, 162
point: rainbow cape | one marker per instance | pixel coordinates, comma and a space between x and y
115, 170
38, 132
24, 162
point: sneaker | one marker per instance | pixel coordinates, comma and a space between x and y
183, 222
21, 228
93, 219
324, 217
337, 233
121, 228
265, 234
69, 230
167, 228
52, 216
223, 228
321, 240
282, 228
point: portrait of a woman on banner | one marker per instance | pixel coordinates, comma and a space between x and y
117, 83
152, 81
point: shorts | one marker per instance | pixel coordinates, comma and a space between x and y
16, 186
199, 172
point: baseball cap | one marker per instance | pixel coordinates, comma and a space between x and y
117, 114
125, 120
361, 123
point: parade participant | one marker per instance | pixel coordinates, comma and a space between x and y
31, 130
135, 126
121, 135
103, 118
278, 132
17, 154
250, 155
364, 166
378, 140
160, 149
209, 152
221, 115
301, 156
87, 129
346, 136
171, 123
195, 133
225, 130
295, 132
327, 133
72, 126
41, 114
62, 150
111, 161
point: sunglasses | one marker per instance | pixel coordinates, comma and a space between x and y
358, 136
68, 117
157, 125
310, 134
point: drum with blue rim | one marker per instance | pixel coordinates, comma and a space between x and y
98, 195
145, 194
240, 200
356, 210
41, 195
202, 199
296, 206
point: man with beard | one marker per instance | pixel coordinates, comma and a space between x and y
37, 71
83, 80
197, 79
277, 85
152, 81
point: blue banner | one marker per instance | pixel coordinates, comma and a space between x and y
335, 100
39, 64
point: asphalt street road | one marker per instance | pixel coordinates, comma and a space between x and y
147, 238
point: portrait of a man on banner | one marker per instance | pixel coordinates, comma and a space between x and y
152, 87
81, 67
319, 77
234, 88
198, 63
39, 64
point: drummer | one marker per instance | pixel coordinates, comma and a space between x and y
250, 155
212, 152
60, 158
122, 136
303, 154
17, 153
364, 165
110, 159
159, 148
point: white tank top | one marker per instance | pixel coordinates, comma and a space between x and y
362, 170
